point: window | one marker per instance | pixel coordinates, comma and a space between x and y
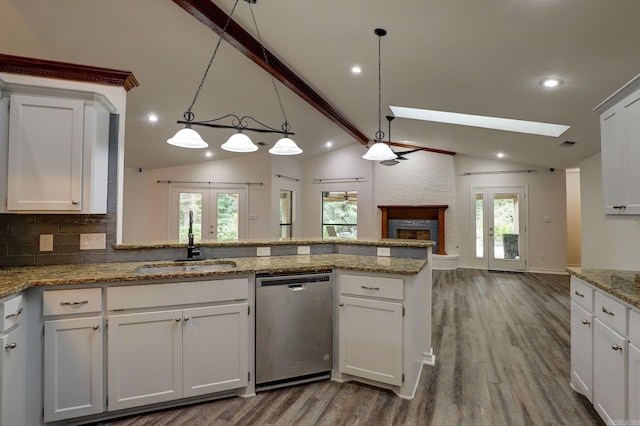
286, 214
340, 214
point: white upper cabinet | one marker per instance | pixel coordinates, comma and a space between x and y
620, 139
57, 154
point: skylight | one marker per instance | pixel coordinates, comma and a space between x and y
507, 124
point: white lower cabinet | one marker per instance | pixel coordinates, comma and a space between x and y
634, 384
73, 368
176, 340
582, 350
11, 378
371, 339
165, 355
610, 369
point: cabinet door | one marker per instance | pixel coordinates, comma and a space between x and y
371, 339
634, 384
45, 154
73, 368
12, 398
144, 358
215, 341
582, 350
613, 136
610, 374
632, 154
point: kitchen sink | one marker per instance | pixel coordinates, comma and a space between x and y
199, 267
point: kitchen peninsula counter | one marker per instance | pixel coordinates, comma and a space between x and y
16, 279
625, 285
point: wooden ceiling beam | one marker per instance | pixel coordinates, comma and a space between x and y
215, 18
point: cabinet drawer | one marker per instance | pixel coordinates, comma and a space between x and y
582, 293
611, 312
11, 311
173, 294
634, 327
383, 287
75, 301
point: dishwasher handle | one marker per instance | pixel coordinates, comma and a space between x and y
297, 287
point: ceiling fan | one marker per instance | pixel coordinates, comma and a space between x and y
399, 155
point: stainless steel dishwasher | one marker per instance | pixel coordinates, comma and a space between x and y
294, 328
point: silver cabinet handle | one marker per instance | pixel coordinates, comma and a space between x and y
82, 302
95, 326
177, 319
585, 322
186, 318
340, 304
577, 293
15, 314
369, 288
608, 312
616, 347
75, 202
10, 346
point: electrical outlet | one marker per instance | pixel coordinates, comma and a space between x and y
304, 250
263, 251
384, 251
46, 242
93, 241
542, 257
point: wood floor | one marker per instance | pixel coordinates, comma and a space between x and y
502, 358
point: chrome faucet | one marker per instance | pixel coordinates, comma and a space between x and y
191, 248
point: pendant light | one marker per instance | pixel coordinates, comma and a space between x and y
238, 142
379, 151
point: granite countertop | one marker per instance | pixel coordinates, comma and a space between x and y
386, 242
625, 285
16, 279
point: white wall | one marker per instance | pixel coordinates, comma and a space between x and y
254, 168
547, 200
135, 206
574, 218
426, 178
608, 241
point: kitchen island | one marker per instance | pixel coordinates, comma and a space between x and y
103, 315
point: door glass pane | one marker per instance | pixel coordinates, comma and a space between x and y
227, 216
190, 201
505, 225
286, 213
479, 226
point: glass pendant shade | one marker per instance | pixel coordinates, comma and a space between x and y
187, 138
239, 142
379, 151
285, 146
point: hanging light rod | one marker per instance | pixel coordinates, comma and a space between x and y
238, 142
380, 151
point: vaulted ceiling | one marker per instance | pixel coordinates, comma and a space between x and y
483, 58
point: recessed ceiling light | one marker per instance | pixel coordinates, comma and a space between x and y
152, 117
551, 82
508, 124
356, 69
209, 154
328, 144
500, 155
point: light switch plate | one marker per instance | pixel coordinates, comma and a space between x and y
263, 251
93, 241
304, 250
46, 242
384, 251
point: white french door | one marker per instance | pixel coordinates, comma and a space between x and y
499, 224
218, 213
